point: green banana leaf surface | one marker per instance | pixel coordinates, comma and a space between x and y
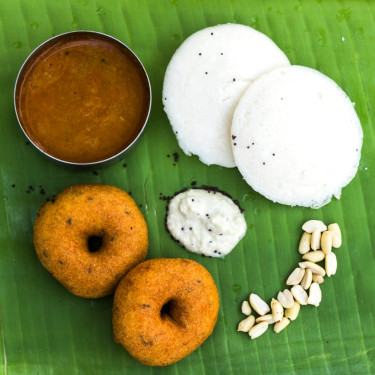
47, 330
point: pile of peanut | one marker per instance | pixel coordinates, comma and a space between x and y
315, 246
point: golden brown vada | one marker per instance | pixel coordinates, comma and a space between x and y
164, 309
64, 230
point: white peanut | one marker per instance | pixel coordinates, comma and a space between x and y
312, 225
277, 310
258, 304
258, 330
304, 243
315, 268
331, 264
315, 295
307, 279
246, 324
292, 312
285, 298
299, 294
279, 326
336, 235
295, 277
314, 256
326, 241
245, 308
317, 278
315, 239
265, 318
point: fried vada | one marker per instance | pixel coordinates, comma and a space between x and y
164, 309
89, 237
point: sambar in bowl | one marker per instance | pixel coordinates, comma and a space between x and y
82, 98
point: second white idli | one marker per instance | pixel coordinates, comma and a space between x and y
296, 137
204, 81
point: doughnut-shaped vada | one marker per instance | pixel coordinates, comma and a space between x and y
164, 309
65, 228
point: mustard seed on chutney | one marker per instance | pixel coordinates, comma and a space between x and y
82, 97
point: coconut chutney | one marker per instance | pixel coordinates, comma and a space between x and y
205, 222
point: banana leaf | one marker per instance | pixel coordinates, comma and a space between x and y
47, 330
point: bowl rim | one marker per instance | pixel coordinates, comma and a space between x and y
35, 53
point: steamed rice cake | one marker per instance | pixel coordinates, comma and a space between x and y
296, 137
204, 81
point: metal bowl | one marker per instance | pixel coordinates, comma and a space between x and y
69, 36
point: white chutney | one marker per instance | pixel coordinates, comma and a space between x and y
205, 222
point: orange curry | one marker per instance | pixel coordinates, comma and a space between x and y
83, 100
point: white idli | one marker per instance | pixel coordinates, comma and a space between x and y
204, 81
296, 137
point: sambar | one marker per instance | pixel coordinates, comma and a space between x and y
82, 97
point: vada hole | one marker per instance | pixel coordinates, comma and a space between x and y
166, 309
171, 310
94, 243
